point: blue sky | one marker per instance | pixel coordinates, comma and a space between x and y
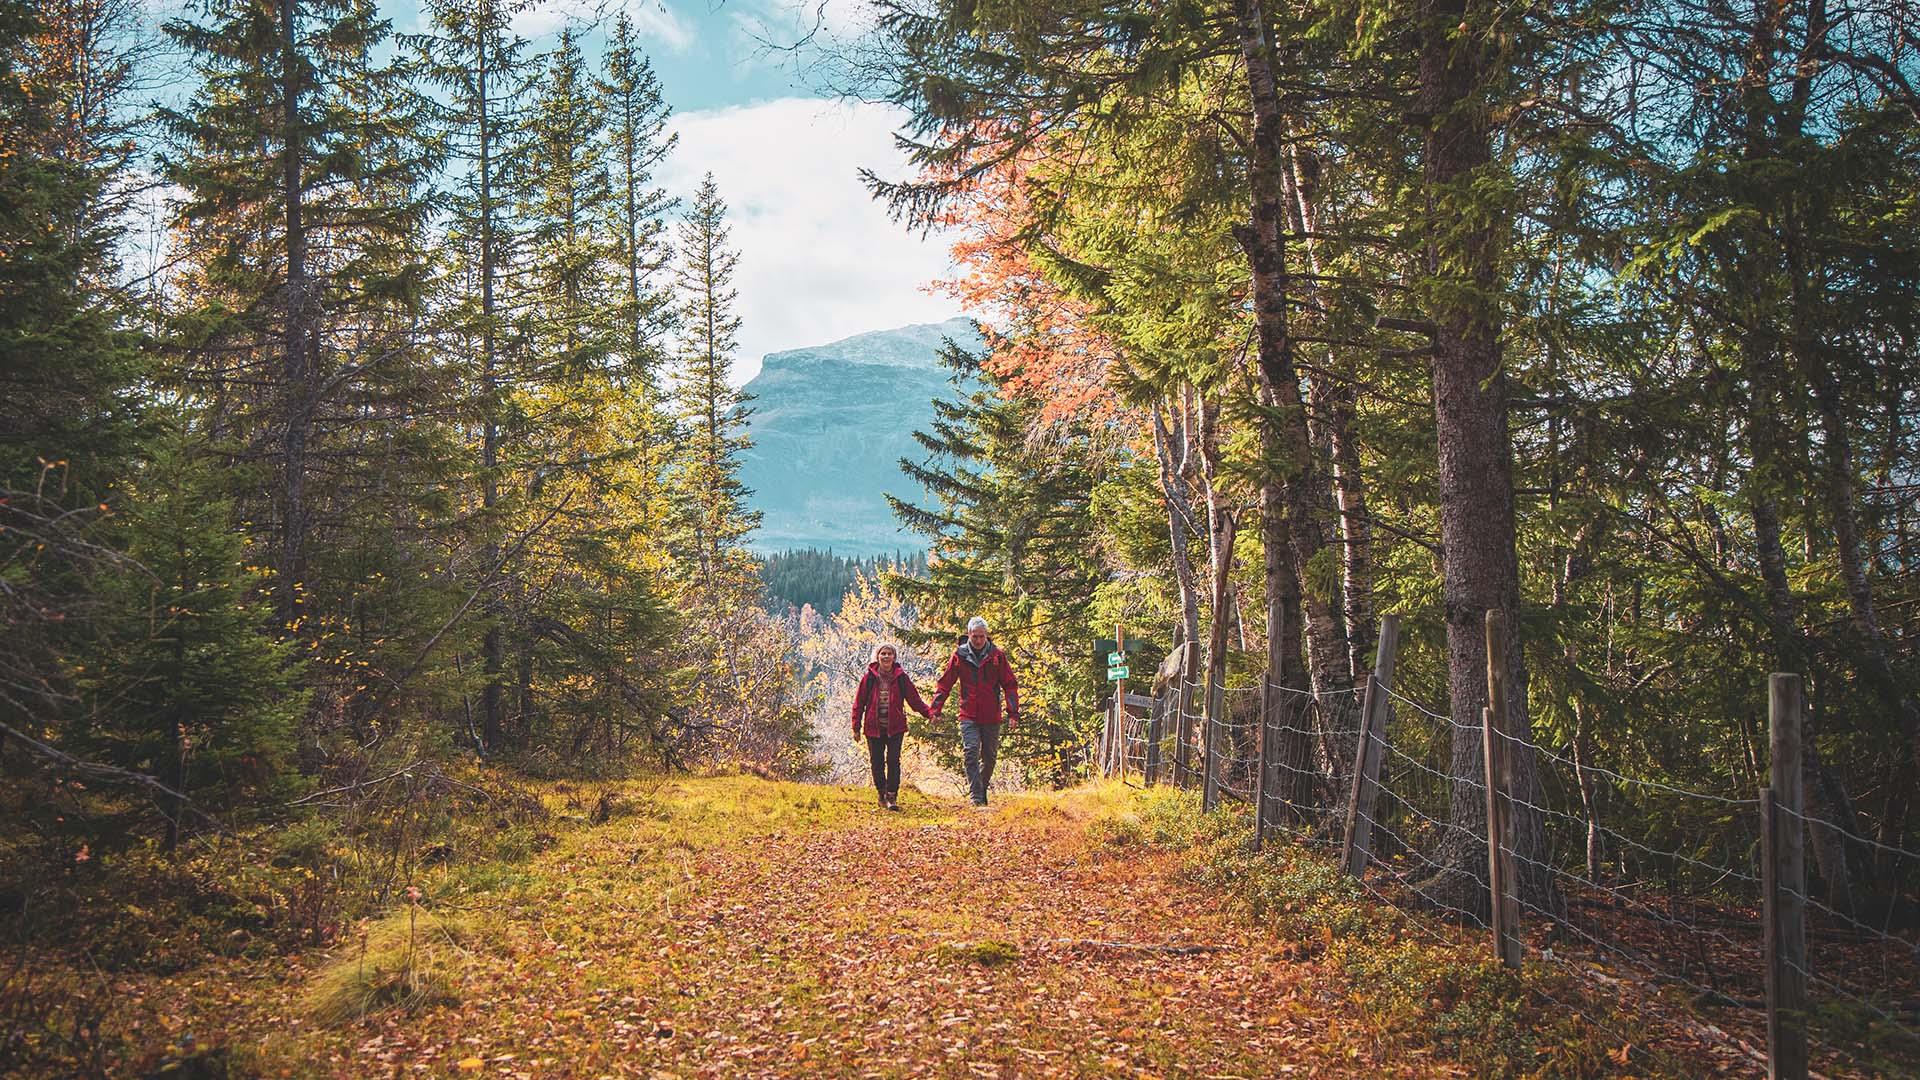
819, 260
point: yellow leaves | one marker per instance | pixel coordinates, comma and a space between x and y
472, 1064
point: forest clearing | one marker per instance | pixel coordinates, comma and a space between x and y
731, 926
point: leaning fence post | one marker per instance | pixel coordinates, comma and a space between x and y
1504, 906
1376, 705
1260, 765
1183, 706
1783, 884
1209, 743
1150, 769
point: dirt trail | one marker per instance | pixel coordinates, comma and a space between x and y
736, 928
966, 945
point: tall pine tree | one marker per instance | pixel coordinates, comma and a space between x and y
638, 141
711, 411
471, 54
301, 284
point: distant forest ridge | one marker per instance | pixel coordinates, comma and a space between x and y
821, 578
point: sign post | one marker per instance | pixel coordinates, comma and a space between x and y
1117, 674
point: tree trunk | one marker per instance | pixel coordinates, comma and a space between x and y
1286, 443
1174, 447
1356, 538
1589, 804
1287, 748
1479, 566
493, 645
1334, 407
1773, 460
297, 362
1783, 607
182, 742
1174, 466
1220, 530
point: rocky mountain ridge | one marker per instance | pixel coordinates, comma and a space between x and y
830, 424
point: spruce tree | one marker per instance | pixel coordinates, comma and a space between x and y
1008, 537
303, 262
472, 55
710, 410
568, 299
188, 682
638, 141
69, 412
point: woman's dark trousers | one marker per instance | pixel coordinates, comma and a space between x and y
884, 750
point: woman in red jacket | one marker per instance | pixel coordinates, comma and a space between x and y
880, 712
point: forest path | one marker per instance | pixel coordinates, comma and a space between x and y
962, 944
821, 937
732, 926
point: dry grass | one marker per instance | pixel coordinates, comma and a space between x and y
410, 960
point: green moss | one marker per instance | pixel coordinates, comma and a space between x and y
984, 953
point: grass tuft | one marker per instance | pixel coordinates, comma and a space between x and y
983, 953
409, 961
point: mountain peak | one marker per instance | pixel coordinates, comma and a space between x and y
829, 427
915, 346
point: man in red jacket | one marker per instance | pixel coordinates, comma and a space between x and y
982, 670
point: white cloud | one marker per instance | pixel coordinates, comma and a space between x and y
819, 258
787, 22
653, 20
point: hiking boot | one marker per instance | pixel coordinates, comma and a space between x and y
893, 799
883, 801
981, 806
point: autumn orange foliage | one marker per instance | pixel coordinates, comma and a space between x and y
1041, 340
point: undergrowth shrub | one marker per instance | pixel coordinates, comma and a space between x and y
50, 1029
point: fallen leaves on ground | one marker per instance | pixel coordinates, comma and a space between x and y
761, 929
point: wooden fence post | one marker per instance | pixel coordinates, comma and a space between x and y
1151, 769
1260, 746
1376, 705
1504, 906
1183, 705
1120, 702
1783, 873
1210, 743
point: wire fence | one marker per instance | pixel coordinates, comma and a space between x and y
1632, 880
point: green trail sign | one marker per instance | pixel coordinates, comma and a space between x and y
1111, 648
1116, 659
1116, 672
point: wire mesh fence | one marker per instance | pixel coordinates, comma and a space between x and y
1630, 877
